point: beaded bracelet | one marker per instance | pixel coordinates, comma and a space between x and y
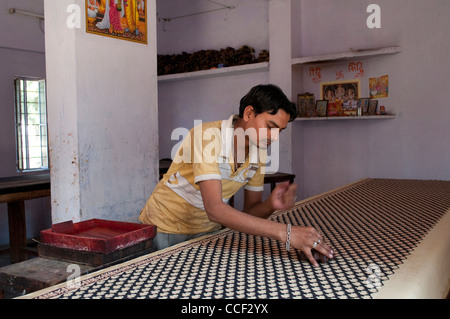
288, 237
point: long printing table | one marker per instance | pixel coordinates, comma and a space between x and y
14, 191
391, 240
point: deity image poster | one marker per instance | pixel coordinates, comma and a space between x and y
122, 19
379, 87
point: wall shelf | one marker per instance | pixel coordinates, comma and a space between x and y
343, 56
347, 118
231, 70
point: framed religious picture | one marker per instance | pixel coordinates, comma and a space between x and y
373, 107
342, 96
379, 87
364, 105
321, 107
306, 105
121, 19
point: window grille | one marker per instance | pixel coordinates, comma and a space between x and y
31, 124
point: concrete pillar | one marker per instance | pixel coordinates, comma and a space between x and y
102, 117
280, 67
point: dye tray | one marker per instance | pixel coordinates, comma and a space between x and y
97, 235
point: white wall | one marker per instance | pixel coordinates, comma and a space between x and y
246, 24
22, 32
21, 54
102, 110
416, 143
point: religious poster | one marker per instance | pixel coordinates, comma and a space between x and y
379, 87
342, 96
122, 19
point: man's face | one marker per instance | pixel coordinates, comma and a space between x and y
267, 127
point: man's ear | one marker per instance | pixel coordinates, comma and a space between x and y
248, 112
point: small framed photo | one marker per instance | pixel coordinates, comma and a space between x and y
306, 105
364, 105
373, 107
321, 107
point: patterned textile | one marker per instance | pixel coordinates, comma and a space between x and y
372, 225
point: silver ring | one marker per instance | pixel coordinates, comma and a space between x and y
316, 243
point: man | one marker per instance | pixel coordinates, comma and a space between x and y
214, 161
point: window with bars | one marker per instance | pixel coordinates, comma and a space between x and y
31, 124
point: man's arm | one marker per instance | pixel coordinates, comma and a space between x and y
302, 238
254, 205
224, 214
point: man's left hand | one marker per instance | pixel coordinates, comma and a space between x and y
283, 196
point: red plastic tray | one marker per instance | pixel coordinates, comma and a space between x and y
97, 235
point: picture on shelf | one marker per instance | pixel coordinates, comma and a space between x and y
321, 107
306, 105
342, 96
379, 87
373, 107
363, 103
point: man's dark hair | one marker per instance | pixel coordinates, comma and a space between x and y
267, 98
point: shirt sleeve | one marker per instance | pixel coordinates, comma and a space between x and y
256, 184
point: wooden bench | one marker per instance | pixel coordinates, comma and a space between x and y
14, 191
278, 177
